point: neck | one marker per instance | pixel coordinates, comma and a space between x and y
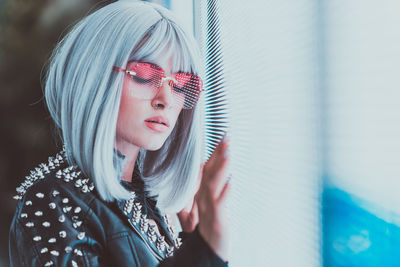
130, 152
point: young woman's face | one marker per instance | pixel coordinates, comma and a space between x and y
133, 127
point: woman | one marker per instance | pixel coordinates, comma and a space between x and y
122, 88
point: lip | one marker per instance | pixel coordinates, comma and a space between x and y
160, 119
157, 126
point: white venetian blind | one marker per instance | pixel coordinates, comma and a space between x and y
262, 86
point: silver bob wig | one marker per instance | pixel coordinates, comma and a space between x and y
83, 95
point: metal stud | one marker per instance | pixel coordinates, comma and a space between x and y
61, 218
54, 253
43, 250
28, 203
74, 264
151, 233
161, 243
24, 215
62, 234
52, 205
67, 209
55, 193
49, 263
39, 195
65, 200
78, 183
77, 210
58, 174
51, 165
38, 213
46, 224
52, 240
77, 224
78, 252
37, 238
178, 242
170, 251
68, 249
29, 224
81, 235
85, 188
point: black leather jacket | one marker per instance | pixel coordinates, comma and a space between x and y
60, 220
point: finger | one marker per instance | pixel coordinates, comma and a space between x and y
220, 172
194, 212
218, 148
224, 193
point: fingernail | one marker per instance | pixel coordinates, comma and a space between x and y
228, 179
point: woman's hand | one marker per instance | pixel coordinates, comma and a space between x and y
210, 199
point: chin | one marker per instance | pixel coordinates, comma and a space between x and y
154, 146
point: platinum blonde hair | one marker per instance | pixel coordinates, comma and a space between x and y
83, 95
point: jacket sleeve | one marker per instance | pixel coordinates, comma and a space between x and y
194, 252
48, 230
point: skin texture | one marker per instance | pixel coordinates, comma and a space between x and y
132, 132
206, 208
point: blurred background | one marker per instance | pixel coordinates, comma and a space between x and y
309, 93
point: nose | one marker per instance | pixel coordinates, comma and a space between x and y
164, 97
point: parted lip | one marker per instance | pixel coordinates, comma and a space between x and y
159, 119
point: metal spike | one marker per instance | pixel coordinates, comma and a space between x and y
85, 188
20, 190
51, 165
78, 183
170, 251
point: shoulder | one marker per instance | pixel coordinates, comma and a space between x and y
53, 185
53, 206
55, 173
